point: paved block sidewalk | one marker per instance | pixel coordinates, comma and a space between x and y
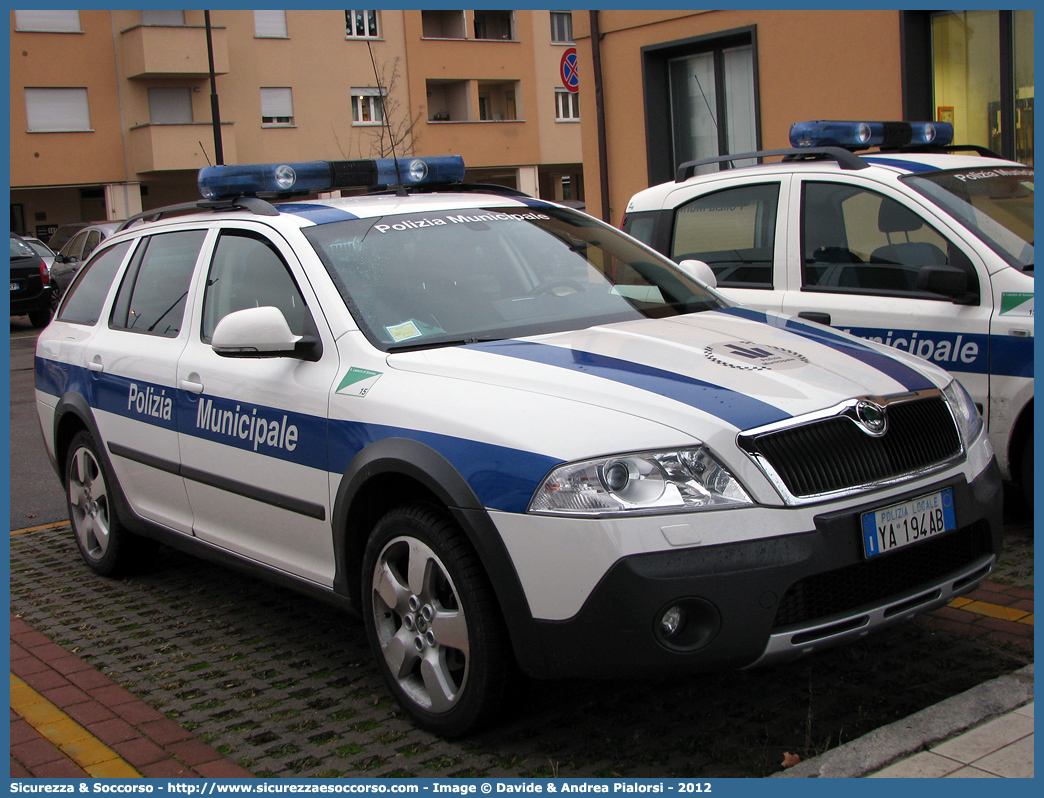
70, 721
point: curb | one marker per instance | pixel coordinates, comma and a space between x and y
881, 747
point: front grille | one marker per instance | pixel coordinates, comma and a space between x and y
834, 453
877, 579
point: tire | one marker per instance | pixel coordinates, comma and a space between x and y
56, 297
433, 623
104, 542
40, 318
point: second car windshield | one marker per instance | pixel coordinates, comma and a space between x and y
995, 203
462, 275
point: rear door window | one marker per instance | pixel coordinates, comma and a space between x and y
152, 297
87, 294
733, 232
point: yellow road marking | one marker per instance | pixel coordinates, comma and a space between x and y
82, 747
38, 528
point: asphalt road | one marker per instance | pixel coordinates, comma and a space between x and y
36, 496
286, 686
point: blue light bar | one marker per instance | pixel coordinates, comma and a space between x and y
218, 182
863, 135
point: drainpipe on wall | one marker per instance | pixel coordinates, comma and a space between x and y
603, 157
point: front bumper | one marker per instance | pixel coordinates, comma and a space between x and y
770, 599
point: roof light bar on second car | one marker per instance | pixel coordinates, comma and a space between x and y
219, 182
863, 135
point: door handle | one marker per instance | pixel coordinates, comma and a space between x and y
96, 365
809, 315
191, 387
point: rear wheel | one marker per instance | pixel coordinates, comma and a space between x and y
433, 622
104, 543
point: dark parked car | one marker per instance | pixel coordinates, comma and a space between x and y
30, 284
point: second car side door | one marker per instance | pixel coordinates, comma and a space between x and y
856, 252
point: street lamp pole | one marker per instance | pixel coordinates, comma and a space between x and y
215, 113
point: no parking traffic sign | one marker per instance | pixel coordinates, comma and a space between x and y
570, 77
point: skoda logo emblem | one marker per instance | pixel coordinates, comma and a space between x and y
871, 416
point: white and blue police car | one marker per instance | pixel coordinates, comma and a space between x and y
516, 440
919, 245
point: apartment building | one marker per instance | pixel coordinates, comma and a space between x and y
678, 84
113, 112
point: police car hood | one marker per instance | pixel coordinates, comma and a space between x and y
744, 367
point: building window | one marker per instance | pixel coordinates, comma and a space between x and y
700, 100
497, 101
270, 24
562, 27
170, 106
277, 107
443, 24
567, 105
367, 106
494, 25
448, 100
48, 21
57, 110
361, 24
712, 104
162, 16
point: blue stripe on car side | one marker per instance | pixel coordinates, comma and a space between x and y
909, 378
739, 410
502, 478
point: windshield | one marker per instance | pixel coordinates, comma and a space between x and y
996, 204
475, 274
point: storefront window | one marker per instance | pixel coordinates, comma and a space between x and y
968, 51
1023, 58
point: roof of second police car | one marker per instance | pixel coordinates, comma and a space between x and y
887, 165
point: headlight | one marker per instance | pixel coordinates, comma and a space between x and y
964, 410
650, 482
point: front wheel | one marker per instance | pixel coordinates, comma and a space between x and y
433, 623
1027, 471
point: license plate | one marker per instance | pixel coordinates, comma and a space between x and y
910, 522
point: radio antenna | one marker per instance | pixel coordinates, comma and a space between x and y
400, 190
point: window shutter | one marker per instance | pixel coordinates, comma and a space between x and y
48, 21
270, 24
277, 102
170, 106
57, 109
162, 16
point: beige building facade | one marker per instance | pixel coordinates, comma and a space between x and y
112, 111
679, 85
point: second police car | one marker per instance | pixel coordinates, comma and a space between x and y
916, 244
508, 435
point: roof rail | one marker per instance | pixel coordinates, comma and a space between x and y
846, 159
252, 204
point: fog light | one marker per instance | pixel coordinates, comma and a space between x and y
672, 621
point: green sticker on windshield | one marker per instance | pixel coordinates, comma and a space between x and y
357, 382
1017, 303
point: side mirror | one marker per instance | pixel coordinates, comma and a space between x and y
699, 271
261, 332
948, 281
